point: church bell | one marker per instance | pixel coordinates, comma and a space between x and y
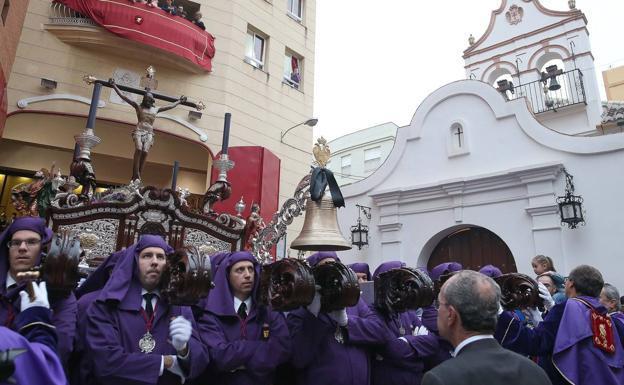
554, 84
320, 230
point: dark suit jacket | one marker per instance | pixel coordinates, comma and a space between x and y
486, 362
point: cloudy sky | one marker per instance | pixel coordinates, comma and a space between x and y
377, 60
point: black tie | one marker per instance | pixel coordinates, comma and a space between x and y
242, 310
149, 309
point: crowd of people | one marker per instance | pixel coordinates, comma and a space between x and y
175, 10
117, 328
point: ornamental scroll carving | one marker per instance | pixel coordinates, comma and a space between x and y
101, 233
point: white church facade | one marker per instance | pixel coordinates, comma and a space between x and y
475, 176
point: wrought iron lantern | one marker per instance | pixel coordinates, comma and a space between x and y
359, 232
570, 205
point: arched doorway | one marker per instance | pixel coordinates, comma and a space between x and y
473, 247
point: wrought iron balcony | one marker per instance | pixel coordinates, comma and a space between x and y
552, 93
123, 28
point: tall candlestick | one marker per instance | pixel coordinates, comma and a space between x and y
174, 177
226, 133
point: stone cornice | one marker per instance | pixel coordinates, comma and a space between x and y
480, 183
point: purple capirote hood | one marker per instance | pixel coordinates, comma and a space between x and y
491, 271
122, 283
444, 268
221, 300
387, 266
362, 268
317, 257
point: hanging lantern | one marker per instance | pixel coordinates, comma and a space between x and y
570, 205
359, 232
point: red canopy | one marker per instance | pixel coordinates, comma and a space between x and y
151, 26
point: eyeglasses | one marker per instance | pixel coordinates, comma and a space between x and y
16, 243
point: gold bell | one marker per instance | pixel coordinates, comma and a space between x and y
320, 228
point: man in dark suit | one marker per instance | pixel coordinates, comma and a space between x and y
469, 305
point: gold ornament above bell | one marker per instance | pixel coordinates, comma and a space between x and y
320, 230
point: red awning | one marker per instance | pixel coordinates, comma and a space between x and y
151, 26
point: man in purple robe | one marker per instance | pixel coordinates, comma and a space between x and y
21, 246
362, 271
610, 299
322, 358
564, 340
32, 355
133, 335
400, 361
246, 340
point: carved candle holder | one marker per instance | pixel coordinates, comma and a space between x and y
223, 164
87, 140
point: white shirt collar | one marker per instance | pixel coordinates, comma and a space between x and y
237, 303
9, 280
470, 340
155, 291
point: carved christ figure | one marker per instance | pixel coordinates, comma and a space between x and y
143, 134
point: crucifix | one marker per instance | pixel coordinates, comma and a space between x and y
459, 132
143, 134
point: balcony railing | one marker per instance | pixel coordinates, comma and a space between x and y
132, 30
544, 96
63, 15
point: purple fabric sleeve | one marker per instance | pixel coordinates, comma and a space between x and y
302, 325
275, 351
35, 325
513, 335
64, 317
225, 355
366, 328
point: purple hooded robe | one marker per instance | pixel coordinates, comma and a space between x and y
39, 364
63, 310
80, 367
399, 362
115, 324
239, 352
564, 346
319, 358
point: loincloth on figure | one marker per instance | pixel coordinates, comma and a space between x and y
143, 138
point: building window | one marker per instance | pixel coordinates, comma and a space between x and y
292, 69
255, 49
295, 9
5, 10
372, 158
345, 165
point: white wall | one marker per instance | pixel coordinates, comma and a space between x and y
507, 183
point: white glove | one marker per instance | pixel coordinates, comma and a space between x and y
315, 306
544, 294
41, 297
420, 331
340, 316
180, 332
535, 315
